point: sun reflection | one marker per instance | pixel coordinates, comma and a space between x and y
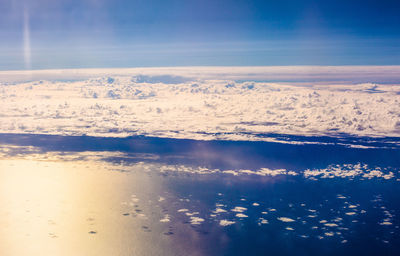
65, 208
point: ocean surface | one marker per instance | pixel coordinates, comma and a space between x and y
82, 195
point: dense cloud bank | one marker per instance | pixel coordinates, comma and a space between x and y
212, 103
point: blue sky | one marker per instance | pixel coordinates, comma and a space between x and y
131, 33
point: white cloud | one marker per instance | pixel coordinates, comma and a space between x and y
285, 219
239, 209
331, 224
344, 171
349, 171
241, 215
219, 210
166, 218
198, 104
226, 222
196, 220
321, 74
191, 213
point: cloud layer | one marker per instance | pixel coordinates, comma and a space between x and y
214, 103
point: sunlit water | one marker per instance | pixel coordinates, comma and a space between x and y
105, 199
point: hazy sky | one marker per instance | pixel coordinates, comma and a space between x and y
130, 33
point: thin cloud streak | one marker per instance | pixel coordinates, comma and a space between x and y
27, 40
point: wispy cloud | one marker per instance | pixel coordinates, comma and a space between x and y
27, 39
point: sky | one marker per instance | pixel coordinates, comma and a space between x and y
47, 34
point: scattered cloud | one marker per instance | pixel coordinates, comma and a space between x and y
226, 223
239, 209
285, 219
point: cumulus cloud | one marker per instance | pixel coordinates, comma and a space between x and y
285, 219
205, 103
166, 218
349, 171
344, 171
239, 209
331, 224
219, 210
241, 215
196, 220
262, 221
226, 222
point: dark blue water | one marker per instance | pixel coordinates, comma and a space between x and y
226, 154
358, 234
280, 215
